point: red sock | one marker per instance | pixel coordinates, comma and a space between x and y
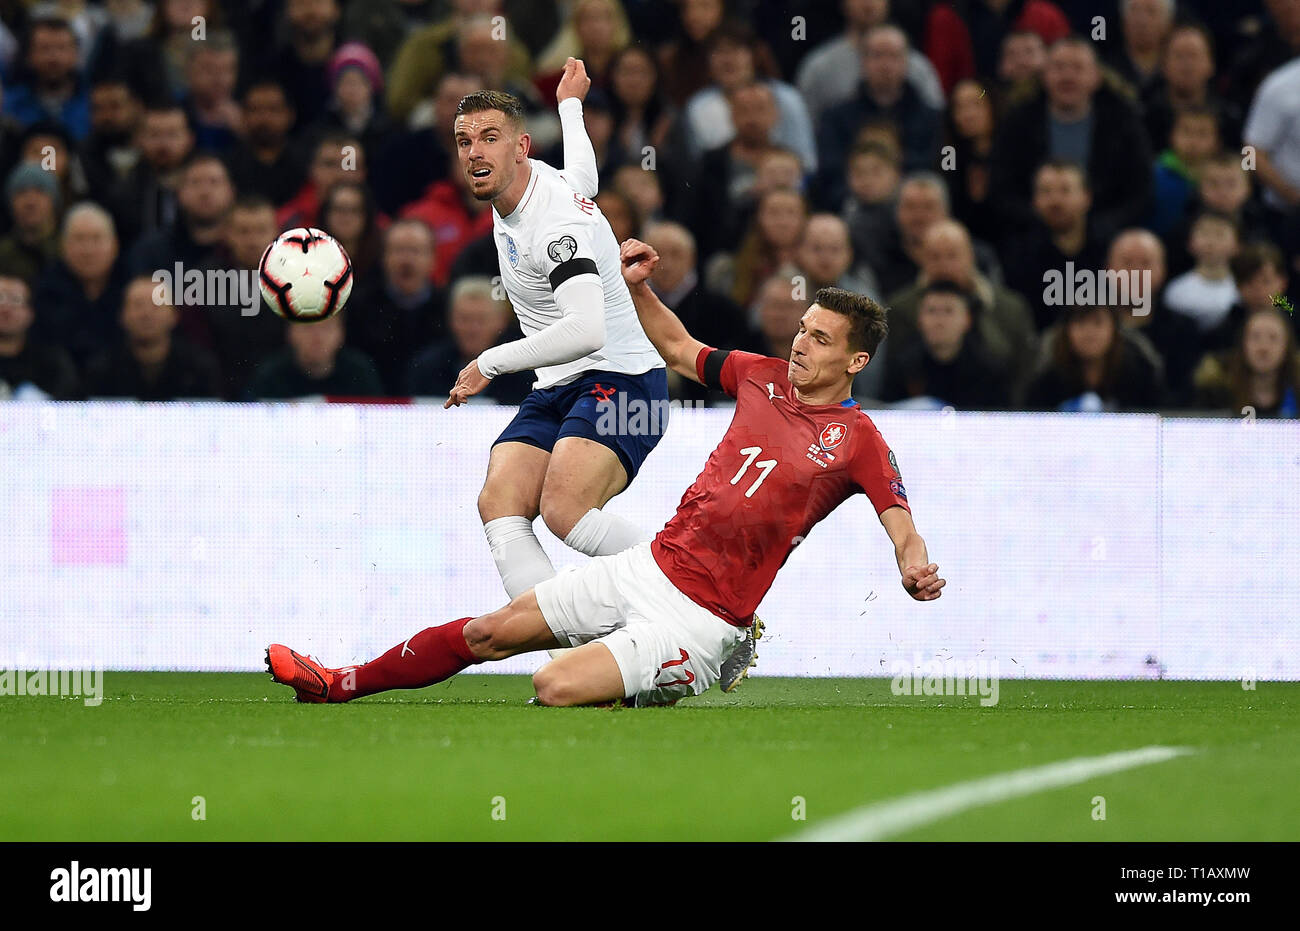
434, 654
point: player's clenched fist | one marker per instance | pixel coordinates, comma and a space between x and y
575, 82
923, 582
638, 259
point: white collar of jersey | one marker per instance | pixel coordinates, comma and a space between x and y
516, 216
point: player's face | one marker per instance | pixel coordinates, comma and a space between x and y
489, 151
820, 356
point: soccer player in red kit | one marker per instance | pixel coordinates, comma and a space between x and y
653, 623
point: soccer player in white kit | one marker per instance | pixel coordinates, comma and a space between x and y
560, 265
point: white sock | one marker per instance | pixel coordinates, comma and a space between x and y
520, 559
600, 534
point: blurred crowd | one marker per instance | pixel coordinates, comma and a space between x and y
948, 158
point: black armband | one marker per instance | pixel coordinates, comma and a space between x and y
711, 371
566, 270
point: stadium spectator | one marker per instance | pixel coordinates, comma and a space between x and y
1272, 43
712, 318
1207, 293
922, 202
1260, 375
990, 21
50, 145
476, 321
160, 73
79, 296
1168, 337
883, 96
348, 213
825, 258
1061, 233
1145, 26
402, 310
301, 59
948, 365
684, 61
415, 159
52, 90
146, 200
455, 217
241, 340
338, 157
947, 44
724, 177
1223, 187
734, 61
1021, 62
830, 73
642, 188
203, 198
211, 73
778, 313
597, 30
621, 213
32, 196
151, 362
356, 104
874, 174
1193, 140
1260, 274
428, 53
1004, 323
642, 115
971, 127
109, 153
29, 369
1093, 367
1273, 130
11, 133
315, 363
1078, 119
1186, 75
264, 162
769, 245
599, 120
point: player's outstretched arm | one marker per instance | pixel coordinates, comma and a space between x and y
920, 576
579, 157
675, 346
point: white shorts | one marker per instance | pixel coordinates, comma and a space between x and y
667, 647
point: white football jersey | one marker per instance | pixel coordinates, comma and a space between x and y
541, 244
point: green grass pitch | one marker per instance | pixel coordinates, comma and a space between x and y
440, 763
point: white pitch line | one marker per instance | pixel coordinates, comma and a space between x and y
894, 816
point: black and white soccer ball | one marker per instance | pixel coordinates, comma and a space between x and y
305, 275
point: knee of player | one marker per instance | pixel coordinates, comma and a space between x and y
481, 637
552, 687
561, 513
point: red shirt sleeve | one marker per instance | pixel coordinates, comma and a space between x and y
735, 366
873, 469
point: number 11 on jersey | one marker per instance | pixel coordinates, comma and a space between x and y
765, 467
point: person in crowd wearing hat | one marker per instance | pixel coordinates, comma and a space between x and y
356, 104
32, 196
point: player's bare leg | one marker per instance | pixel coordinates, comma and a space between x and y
508, 505
585, 675
582, 477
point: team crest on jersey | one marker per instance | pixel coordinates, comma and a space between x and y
832, 435
562, 249
512, 252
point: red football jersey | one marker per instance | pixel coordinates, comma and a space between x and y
781, 467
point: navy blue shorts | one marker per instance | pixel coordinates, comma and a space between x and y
627, 413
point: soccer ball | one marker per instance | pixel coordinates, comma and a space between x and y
305, 275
